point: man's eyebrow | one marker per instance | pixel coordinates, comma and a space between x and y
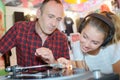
51, 15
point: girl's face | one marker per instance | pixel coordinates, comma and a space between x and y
91, 39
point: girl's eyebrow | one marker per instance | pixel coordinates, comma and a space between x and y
95, 41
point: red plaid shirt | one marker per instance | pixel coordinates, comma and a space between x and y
23, 36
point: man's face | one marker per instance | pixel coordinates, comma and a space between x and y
50, 17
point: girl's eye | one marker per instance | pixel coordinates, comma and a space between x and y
95, 43
84, 36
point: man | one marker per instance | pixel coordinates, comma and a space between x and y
38, 42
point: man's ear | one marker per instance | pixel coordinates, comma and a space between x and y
38, 13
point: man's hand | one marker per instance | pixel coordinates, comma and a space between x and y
66, 63
45, 54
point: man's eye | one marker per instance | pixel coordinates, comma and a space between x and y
59, 19
50, 16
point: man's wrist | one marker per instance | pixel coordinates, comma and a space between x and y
54, 62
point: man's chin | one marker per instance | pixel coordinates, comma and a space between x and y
48, 33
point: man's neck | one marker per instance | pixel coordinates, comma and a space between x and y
40, 33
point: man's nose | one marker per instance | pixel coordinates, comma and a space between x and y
54, 23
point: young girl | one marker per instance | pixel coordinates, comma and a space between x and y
99, 43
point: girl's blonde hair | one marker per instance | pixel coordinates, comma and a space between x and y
116, 21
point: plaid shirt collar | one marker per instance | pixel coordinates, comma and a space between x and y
32, 29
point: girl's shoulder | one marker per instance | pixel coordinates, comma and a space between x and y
114, 45
112, 48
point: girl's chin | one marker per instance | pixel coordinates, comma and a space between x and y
84, 51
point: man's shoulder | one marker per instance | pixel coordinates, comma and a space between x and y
25, 23
24, 26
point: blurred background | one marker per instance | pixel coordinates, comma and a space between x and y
12, 11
